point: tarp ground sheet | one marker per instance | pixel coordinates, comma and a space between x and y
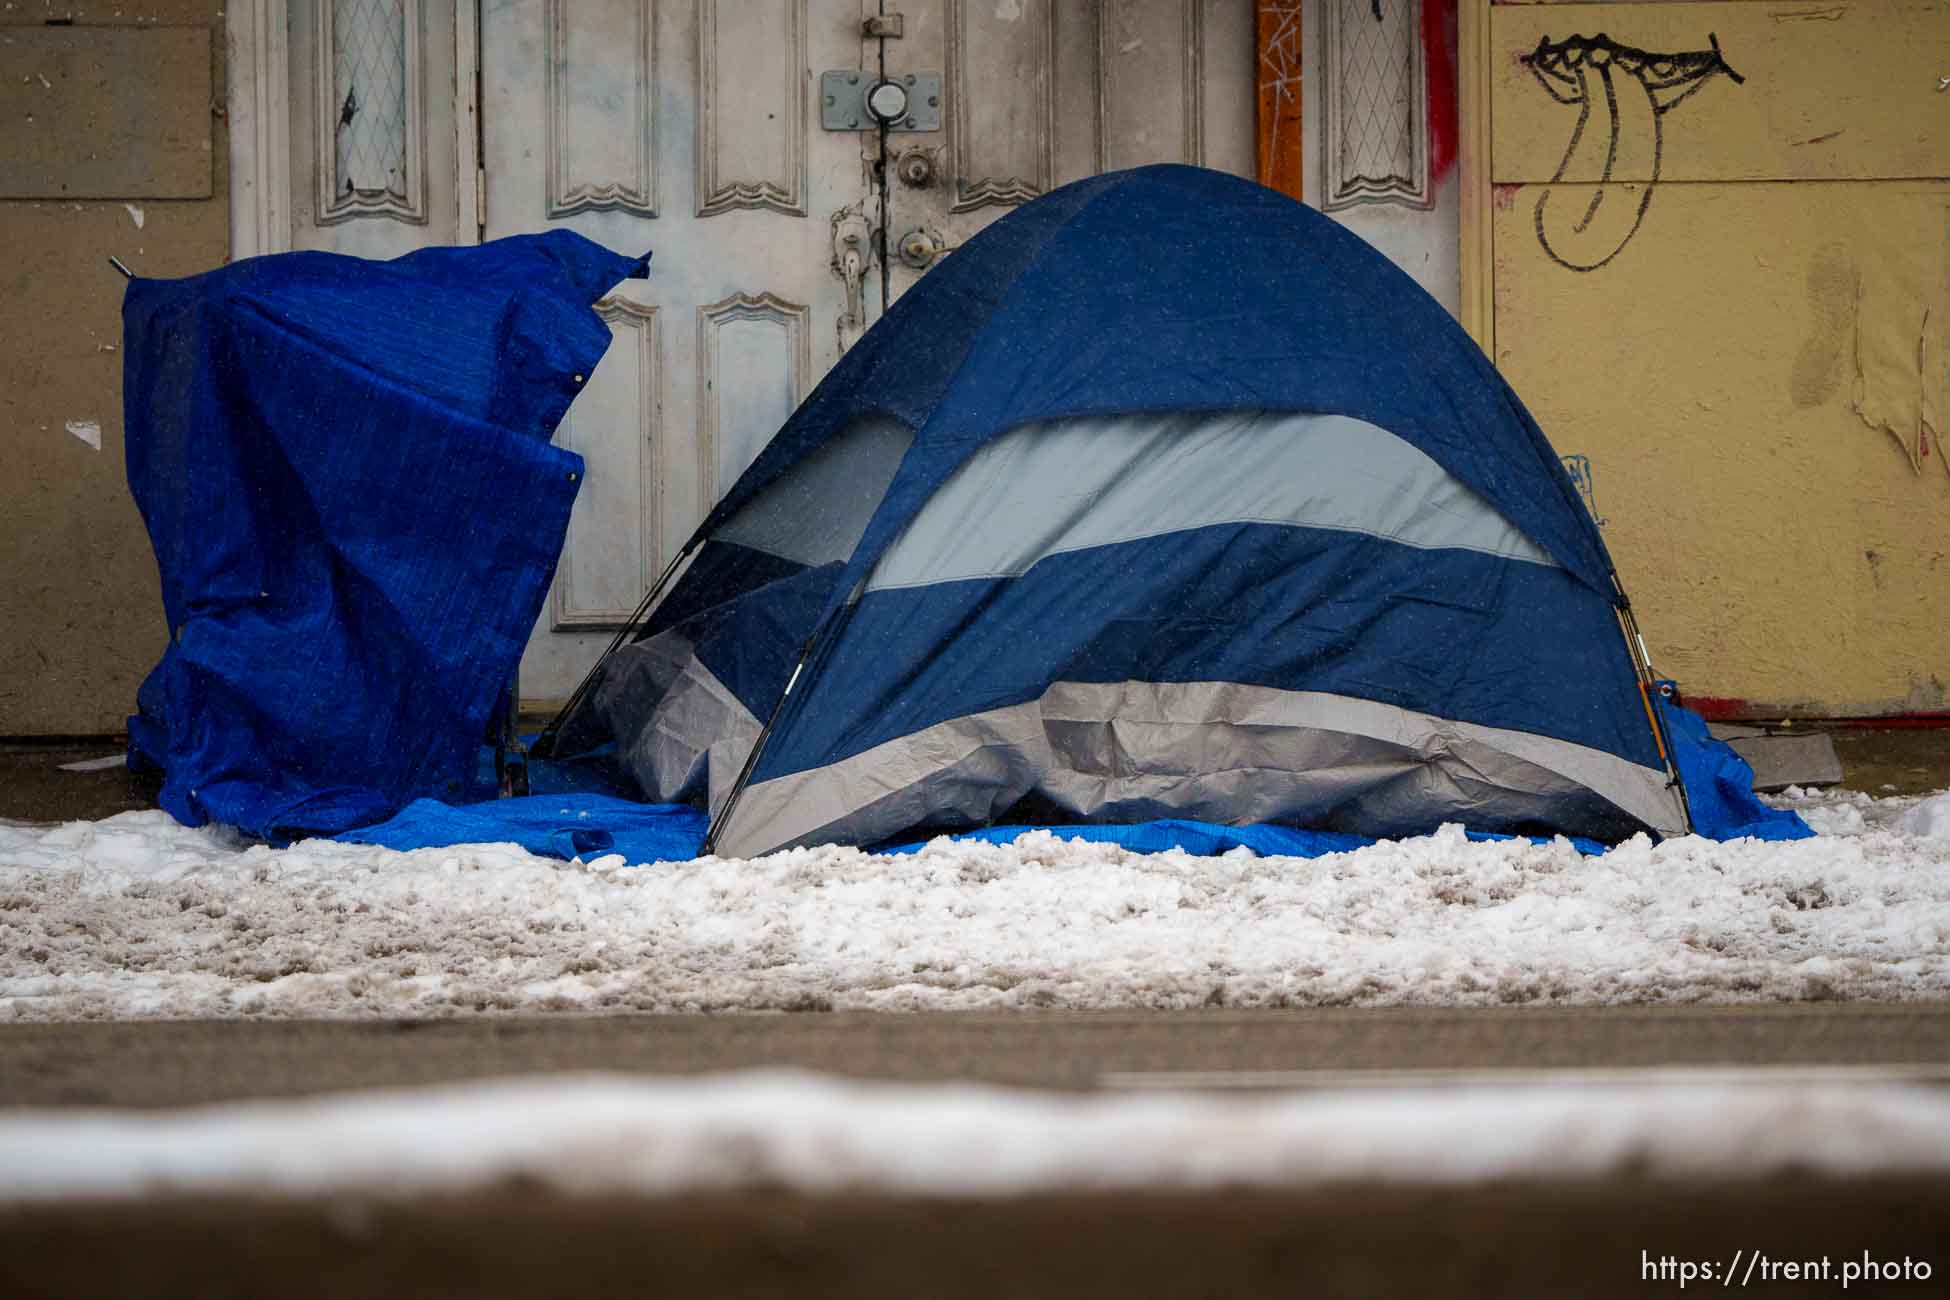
576, 823
345, 471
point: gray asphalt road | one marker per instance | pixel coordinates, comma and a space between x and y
1602, 1238
173, 1063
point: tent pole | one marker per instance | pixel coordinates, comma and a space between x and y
710, 844
820, 636
1648, 684
545, 743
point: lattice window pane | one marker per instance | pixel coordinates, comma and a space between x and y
369, 78
1376, 142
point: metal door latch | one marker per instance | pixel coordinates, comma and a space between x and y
916, 167
920, 246
852, 254
860, 101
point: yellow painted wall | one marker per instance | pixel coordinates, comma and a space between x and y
1758, 377
80, 610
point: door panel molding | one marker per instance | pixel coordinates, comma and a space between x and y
570, 610
764, 104
1375, 146
395, 157
574, 185
1117, 104
794, 322
1002, 159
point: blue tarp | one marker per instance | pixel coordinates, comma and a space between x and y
1720, 785
554, 825
345, 472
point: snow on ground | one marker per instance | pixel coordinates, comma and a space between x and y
787, 1130
136, 916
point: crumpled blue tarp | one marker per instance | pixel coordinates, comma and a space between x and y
1720, 785
554, 825
345, 471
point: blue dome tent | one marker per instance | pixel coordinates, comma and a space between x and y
1163, 497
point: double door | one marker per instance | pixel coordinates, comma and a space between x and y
785, 200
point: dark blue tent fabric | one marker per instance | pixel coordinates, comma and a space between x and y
1719, 783
345, 473
553, 825
1454, 632
1108, 259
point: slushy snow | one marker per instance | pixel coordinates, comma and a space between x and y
581, 1134
1930, 818
136, 916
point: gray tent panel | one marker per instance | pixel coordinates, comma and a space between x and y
1219, 751
1046, 489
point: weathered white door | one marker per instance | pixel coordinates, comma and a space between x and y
694, 128
689, 128
1039, 93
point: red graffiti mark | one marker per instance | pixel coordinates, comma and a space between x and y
1503, 196
1439, 57
1718, 708
1728, 708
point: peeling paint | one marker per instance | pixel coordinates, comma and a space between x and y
1899, 349
1831, 15
135, 214
89, 431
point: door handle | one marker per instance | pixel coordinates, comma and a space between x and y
852, 255
852, 268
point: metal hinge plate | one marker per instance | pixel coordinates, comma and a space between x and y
843, 101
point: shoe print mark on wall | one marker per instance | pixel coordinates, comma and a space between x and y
1623, 94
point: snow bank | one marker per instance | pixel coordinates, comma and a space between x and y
137, 916
596, 1133
1930, 817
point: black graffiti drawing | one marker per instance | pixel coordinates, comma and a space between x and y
1565, 69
